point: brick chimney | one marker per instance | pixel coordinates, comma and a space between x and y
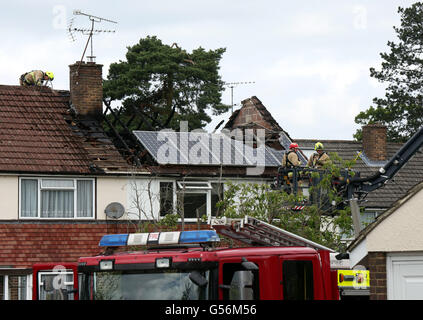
86, 89
374, 141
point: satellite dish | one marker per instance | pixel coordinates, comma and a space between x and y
114, 210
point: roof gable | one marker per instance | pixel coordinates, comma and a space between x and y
398, 228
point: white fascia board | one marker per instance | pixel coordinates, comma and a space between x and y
358, 253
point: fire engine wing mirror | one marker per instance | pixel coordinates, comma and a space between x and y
248, 265
197, 278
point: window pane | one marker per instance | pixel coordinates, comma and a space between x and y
17, 287
216, 196
29, 198
84, 198
166, 198
56, 183
1, 287
193, 185
191, 203
298, 280
60, 293
57, 204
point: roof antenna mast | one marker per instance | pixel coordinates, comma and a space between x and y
89, 32
232, 85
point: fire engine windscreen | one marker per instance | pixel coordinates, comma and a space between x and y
150, 285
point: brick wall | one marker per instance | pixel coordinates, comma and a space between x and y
377, 268
23, 244
250, 114
86, 88
374, 141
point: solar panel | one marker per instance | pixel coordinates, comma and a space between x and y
201, 148
273, 156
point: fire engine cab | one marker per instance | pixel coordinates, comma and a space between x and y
190, 265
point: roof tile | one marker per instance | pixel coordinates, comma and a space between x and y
35, 135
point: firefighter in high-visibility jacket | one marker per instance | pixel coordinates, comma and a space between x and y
319, 158
35, 78
290, 159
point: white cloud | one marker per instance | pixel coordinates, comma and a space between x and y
360, 17
325, 96
307, 24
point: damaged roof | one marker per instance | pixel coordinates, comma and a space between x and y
38, 134
247, 118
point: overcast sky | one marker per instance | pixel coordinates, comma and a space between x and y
309, 60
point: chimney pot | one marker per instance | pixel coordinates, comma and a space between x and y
374, 141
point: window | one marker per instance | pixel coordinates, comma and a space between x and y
195, 198
15, 287
297, 280
56, 198
47, 282
216, 196
194, 185
166, 198
194, 204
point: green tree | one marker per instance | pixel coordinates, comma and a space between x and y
163, 84
401, 110
323, 221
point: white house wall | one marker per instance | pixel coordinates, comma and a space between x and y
402, 230
110, 189
9, 206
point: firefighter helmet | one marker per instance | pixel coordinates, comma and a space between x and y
293, 145
318, 146
50, 75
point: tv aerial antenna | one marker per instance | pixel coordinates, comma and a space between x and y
88, 31
232, 85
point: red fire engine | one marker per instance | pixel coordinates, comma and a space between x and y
188, 265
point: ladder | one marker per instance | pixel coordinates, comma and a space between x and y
255, 232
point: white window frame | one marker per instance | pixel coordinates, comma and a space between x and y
56, 273
28, 295
40, 188
197, 191
193, 187
174, 196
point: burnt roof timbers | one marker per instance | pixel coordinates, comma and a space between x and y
118, 128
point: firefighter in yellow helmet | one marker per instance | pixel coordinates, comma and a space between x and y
35, 78
319, 158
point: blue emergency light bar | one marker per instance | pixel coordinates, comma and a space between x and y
159, 238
